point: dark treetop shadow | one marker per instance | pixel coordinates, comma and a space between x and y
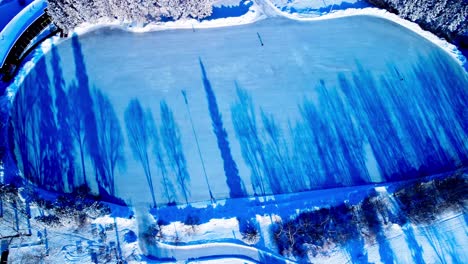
233, 180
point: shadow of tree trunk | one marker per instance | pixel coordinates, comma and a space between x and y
233, 179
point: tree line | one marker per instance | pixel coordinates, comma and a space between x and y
69, 14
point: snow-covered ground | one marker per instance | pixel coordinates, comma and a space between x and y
317, 7
442, 240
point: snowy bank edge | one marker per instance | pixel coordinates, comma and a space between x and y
258, 11
451, 49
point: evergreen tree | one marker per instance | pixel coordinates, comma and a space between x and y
67, 14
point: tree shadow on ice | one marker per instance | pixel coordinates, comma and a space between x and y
138, 133
337, 145
411, 119
171, 142
372, 211
35, 131
244, 119
110, 141
86, 128
55, 132
411, 124
443, 244
447, 104
65, 144
321, 150
413, 245
161, 161
264, 148
99, 138
280, 172
233, 180
164, 142
368, 106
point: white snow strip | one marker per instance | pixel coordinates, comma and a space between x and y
372, 11
262, 9
44, 47
255, 13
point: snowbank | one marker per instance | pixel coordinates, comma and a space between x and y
372, 11
262, 9
28, 65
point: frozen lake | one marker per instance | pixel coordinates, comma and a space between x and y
320, 104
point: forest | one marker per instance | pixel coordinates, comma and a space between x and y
67, 14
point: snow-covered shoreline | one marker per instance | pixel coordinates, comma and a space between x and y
263, 9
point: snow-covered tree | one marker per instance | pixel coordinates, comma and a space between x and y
67, 14
446, 18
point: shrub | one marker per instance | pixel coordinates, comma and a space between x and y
422, 202
150, 234
162, 222
50, 220
192, 220
130, 237
315, 230
283, 242
81, 219
8, 192
312, 232
248, 229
